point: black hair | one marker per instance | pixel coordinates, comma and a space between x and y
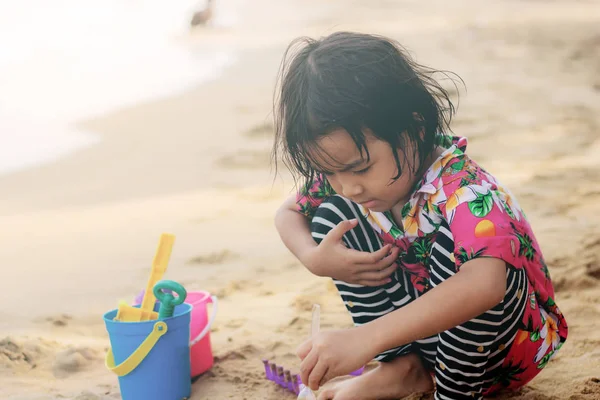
355, 81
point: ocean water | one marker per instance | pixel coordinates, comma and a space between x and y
65, 60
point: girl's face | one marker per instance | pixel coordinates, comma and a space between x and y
368, 183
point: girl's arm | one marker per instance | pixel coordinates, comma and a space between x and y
331, 257
477, 287
294, 230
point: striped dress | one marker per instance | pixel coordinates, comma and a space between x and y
457, 212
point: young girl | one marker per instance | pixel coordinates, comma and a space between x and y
432, 256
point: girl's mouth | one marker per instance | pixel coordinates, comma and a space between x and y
369, 204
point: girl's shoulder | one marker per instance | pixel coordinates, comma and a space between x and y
455, 169
455, 181
463, 180
312, 195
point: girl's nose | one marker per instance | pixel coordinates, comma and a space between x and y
352, 191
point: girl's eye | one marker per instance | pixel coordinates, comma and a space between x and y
362, 171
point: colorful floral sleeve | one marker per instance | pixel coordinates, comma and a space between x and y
310, 197
484, 218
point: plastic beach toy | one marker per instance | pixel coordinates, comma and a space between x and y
286, 379
201, 349
292, 382
167, 300
201, 322
152, 358
305, 392
145, 312
283, 377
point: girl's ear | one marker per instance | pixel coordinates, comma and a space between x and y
419, 117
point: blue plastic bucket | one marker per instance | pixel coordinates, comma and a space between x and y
151, 358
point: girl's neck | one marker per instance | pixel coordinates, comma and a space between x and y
397, 209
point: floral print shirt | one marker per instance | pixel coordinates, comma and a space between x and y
485, 219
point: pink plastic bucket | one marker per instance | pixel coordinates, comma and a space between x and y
201, 351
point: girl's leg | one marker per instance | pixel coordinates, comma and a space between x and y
467, 355
401, 371
364, 303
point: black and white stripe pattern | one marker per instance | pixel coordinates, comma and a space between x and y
464, 358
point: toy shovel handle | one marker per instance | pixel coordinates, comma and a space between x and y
167, 300
209, 323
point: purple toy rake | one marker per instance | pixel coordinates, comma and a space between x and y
283, 377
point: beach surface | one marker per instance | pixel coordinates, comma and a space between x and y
79, 230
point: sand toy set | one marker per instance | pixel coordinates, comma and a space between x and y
292, 382
161, 341
150, 347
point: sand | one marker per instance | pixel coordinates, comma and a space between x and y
79, 234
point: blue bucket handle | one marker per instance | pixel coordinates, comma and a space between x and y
132, 362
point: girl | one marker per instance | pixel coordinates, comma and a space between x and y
432, 256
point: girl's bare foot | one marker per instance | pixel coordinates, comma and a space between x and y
390, 380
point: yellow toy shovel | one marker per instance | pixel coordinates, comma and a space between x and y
145, 312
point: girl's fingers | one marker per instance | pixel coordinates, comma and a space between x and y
326, 395
307, 365
303, 350
364, 257
387, 261
378, 275
317, 374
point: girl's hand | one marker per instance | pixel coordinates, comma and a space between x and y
333, 259
333, 353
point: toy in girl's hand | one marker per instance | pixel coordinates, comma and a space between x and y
284, 378
305, 392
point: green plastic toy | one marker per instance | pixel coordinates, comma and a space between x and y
167, 300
